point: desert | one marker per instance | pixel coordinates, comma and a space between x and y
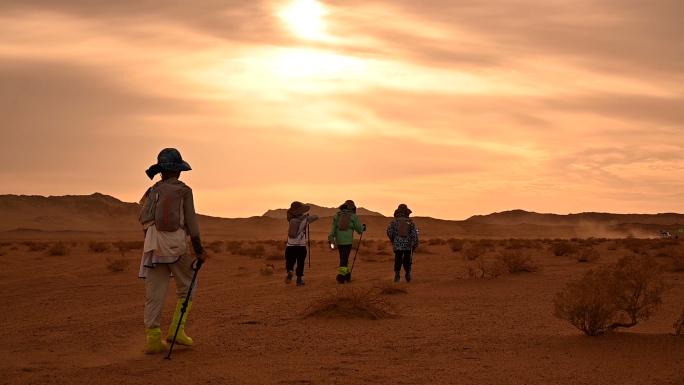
73, 302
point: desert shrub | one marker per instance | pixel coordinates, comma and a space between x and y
588, 255
422, 249
385, 287
636, 245
613, 246
486, 243
38, 246
125, 246
3, 243
98, 247
117, 265
562, 248
676, 253
234, 247
28, 243
382, 248
59, 248
480, 268
256, 251
679, 324
613, 296
436, 241
473, 252
275, 256
533, 244
455, 244
216, 247
267, 270
513, 244
351, 302
516, 260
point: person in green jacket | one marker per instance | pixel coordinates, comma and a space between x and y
344, 224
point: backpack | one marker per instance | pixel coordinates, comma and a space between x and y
343, 221
293, 229
164, 206
403, 225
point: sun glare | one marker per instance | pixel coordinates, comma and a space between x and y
304, 18
304, 63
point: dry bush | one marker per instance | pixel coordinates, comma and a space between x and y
125, 246
382, 249
267, 270
613, 246
613, 296
256, 251
59, 248
588, 255
234, 247
676, 253
216, 247
636, 245
533, 244
436, 241
385, 287
473, 252
351, 302
280, 245
516, 260
38, 246
98, 247
455, 244
562, 248
486, 243
679, 324
513, 244
275, 256
117, 265
422, 249
6, 243
481, 268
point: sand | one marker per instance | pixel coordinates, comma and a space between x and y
70, 320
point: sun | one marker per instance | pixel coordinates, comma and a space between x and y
304, 18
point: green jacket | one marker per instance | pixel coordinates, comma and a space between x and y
345, 237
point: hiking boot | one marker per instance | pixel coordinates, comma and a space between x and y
347, 277
340, 278
408, 276
300, 281
288, 279
154, 342
181, 338
397, 276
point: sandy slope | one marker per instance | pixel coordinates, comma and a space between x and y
68, 320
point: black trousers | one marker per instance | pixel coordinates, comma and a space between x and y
345, 251
295, 254
402, 257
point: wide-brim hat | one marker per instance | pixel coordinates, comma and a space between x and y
296, 209
402, 209
348, 205
168, 160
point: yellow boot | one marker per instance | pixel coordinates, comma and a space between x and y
182, 338
154, 342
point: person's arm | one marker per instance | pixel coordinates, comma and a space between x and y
191, 224
391, 231
333, 231
357, 224
312, 218
414, 235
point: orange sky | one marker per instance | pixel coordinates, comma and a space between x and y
455, 108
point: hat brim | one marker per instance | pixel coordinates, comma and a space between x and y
299, 210
175, 167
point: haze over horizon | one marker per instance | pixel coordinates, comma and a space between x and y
455, 108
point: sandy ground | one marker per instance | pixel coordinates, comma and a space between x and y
69, 320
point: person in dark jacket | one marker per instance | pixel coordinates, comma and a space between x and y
403, 234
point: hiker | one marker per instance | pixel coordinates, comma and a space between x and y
168, 218
345, 222
404, 237
295, 252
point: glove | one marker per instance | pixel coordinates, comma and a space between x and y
364, 227
197, 246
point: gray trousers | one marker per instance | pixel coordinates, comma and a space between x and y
157, 285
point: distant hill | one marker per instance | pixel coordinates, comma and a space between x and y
322, 212
516, 217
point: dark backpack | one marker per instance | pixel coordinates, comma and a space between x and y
343, 221
404, 227
293, 229
163, 205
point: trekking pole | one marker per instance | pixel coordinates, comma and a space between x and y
308, 240
198, 263
355, 253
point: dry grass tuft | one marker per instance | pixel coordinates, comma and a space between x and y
588, 255
436, 241
125, 246
385, 287
473, 252
98, 247
37, 246
59, 248
275, 256
117, 265
267, 270
516, 261
216, 247
351, 303
455, 244
562, 248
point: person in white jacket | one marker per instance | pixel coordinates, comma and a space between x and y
295, 252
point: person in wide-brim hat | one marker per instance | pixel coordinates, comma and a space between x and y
345, 223
348, 205
402, 209
168, 160
296, 209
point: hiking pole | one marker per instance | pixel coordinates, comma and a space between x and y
198, 263
308, 240
355, 253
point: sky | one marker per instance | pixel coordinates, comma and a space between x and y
453, 107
